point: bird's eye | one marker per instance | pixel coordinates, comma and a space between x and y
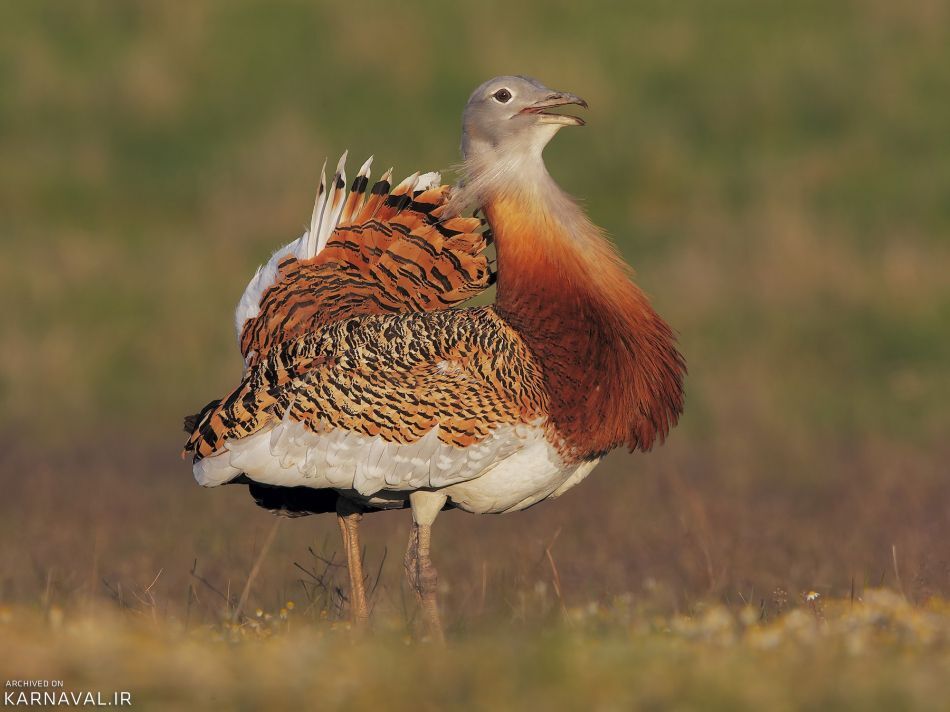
502, 96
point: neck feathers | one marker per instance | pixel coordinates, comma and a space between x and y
610, 363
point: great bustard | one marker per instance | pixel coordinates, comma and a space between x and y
366, 387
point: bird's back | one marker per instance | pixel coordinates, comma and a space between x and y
360, 373
378, 402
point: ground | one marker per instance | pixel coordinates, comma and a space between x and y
874, 653
660, 584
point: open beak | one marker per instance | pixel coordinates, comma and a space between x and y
552, 101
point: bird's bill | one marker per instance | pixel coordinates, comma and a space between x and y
553, 101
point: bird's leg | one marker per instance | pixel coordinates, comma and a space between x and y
349, 515
419, 569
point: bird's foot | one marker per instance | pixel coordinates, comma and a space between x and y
424, 579
349, 516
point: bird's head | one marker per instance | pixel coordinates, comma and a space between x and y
513, 114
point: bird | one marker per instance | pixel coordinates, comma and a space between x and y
369, 384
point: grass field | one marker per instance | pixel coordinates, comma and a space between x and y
779, 176
874, 654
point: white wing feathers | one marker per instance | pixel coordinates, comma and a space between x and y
329, 214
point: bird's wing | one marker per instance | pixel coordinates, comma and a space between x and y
458, 386
382, 251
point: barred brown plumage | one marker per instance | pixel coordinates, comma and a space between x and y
366, 379
399, 260
380, 375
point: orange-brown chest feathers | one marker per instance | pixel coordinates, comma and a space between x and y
610, 363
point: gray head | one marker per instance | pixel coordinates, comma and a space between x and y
510, 114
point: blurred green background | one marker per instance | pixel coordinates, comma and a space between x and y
779, 177
778, 174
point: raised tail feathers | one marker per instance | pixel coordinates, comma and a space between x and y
382, 250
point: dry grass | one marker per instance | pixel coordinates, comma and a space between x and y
681, 527
872, 652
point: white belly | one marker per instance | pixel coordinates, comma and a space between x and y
512, 469
519, 481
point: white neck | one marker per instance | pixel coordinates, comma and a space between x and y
511, 166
